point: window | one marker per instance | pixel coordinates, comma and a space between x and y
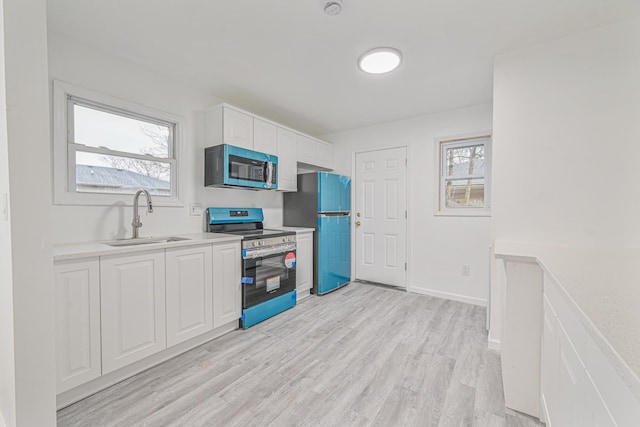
110, 149
464, 176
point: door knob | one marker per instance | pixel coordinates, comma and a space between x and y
358, 214
358, 223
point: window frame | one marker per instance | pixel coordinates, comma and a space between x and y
65, 96
442, 144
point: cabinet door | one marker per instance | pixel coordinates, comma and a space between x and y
265, 138
189, 292
549, 361
304, 263
227, 297
596, 412
237, 128
305, 149
133, 307
77, 322
571, 383
287, 161
324, 155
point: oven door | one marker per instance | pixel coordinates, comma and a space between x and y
267, 272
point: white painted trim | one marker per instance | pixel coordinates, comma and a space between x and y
303, 295
60, 150
409, 200
494, 344
450, 296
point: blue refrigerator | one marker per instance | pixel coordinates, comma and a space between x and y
323, 202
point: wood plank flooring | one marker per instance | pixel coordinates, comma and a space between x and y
361, 356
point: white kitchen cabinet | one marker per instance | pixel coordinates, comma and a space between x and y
324, 155
224, 125
315, 153
77, 322
306, 149
265, 137
227, 293
580, 387
189, 289
304, 263
287, 161
132, 290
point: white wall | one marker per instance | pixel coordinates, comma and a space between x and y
32, 400
73, 62
7, 352
438, 246
566, 148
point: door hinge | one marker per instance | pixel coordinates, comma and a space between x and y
405, 266
406, 161
405, 215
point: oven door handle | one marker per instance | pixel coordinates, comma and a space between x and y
263, 251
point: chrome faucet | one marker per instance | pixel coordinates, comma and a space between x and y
136, 224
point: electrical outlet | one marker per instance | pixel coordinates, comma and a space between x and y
195, 209
465, 270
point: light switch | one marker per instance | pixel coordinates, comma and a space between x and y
195, 209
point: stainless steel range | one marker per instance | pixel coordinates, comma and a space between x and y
268, 262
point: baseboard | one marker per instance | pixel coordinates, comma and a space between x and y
69, 397
494, 344
304, 294
450, 296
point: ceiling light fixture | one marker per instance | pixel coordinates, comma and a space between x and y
380, 60
332, 7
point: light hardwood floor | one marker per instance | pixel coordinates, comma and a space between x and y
363, 355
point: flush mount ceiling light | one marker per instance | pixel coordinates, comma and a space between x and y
380, 60
332, 7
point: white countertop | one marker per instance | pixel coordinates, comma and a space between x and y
71, 251
296, 229
602, 288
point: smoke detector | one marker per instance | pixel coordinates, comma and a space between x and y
332, 7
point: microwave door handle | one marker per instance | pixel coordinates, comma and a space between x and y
269, 174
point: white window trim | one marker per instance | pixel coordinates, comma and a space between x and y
462, 140
62, 150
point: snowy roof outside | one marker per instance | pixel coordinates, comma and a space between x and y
112, 177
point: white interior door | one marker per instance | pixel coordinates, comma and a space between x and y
381, 216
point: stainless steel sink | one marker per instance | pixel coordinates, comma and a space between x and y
145, 241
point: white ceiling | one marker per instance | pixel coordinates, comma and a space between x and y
289, 61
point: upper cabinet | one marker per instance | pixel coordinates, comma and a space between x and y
315, 153
226, 124
265, 137
287, 161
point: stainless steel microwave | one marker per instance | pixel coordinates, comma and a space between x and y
230, 166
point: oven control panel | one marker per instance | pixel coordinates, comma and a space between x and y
271, 241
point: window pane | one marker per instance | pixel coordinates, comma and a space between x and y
97, 128
97, 173
465, 160
464, 193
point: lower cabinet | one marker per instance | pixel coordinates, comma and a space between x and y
579, 386
227, 291
189, 283
112, 311
304, 263
77, 322
132, 295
